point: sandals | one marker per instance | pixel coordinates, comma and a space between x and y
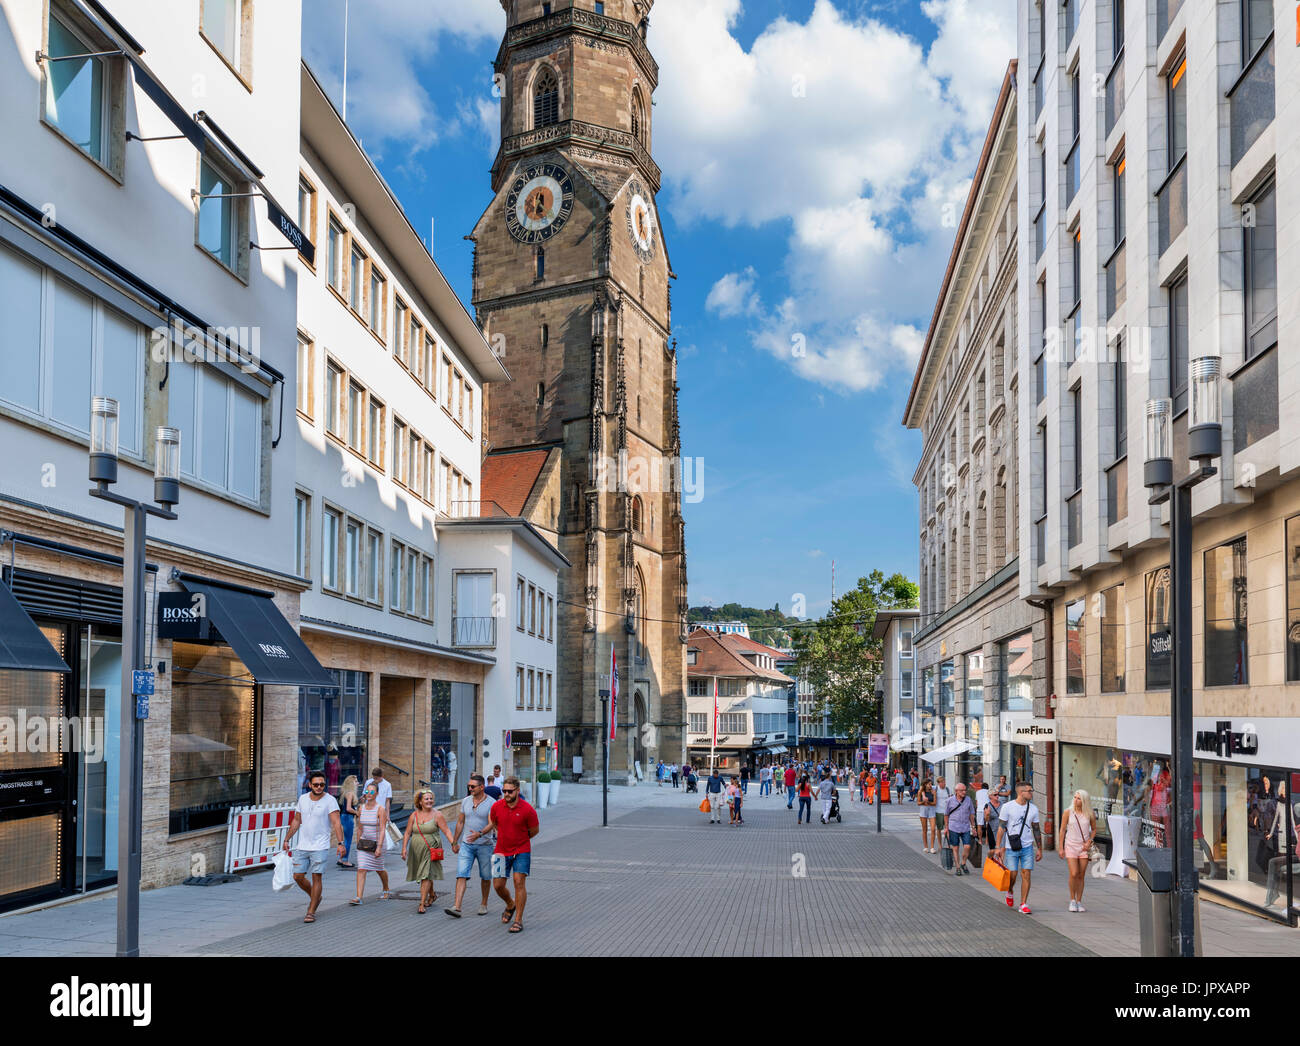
420, 910
386, 896
355, 901
505, 916
482, 909
453, 912
309, 919
516, 927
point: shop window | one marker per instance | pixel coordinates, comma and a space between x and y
1160, 642
332, 730
1016, 660
451, 757
1292, 556
213, 712
1112, 614
1122, 784
1226, 654
1074, 679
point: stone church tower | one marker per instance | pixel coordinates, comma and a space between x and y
571, 286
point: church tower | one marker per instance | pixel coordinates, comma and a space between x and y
571, 286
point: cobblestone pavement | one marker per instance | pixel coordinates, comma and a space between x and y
660, 881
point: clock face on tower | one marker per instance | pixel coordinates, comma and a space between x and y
539, 202
640, 221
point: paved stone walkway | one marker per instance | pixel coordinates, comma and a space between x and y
659, 881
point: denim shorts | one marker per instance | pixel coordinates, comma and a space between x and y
1022, 859
958, 838
471, 854
309, 862
503, 865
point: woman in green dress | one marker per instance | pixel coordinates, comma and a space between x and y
423, 856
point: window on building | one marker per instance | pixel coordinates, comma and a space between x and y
1176, 112
1159, 642
335, 241
356, 414
301, 533
334, 399
1112, 613
352, 558
519, 687
531, 688
1260, 251
399, 451
396, 557
329, 549
541, 263
699, 720
550, 619
975, 684
1178, 343
1226, 654
374, 564
375, 432
377, 303
400, 331
1121, 401
223, 25
1256, 27
1074, 679
222, 426
427, 459
1016, 671
413, 459
733, 723
521, 609
546, 99
411, 581
426, 588
307, 208
80, 93
550, 679
429, 367
532, 609
221, 226
356, 279
306, 353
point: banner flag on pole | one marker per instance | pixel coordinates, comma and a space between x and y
613, 692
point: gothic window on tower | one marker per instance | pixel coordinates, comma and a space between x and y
541, 263
541, 393
636, 514
546, 336
546, 99
638, 117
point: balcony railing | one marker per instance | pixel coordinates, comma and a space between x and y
473, 631
1171, 204
1117, 492
1251, 101
1115, 93
477, 510
1074, 518
1166, 12
1116, 281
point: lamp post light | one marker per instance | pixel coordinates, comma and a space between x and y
604, 693
1204, 444
136, 683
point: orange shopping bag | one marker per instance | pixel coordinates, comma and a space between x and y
704, 806
996, 873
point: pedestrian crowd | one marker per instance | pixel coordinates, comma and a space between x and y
494, 830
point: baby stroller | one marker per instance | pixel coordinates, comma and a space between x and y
835, 806
691, 781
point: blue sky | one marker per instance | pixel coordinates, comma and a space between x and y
816, 156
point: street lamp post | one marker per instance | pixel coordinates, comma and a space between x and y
880, 700
135, 706
1204, 444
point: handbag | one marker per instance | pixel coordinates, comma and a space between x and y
435, 853
976, 853
946, 853
368, 845
704, 805
996, 874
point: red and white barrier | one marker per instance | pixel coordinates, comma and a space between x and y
254, 834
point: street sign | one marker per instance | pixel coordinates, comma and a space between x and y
878, 749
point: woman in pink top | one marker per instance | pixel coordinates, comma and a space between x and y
1080, 830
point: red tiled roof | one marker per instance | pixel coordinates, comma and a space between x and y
716, 657
509, 477
754, 644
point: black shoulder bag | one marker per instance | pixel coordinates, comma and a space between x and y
1014, 841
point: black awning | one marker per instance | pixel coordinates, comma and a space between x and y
22, 645
260, 636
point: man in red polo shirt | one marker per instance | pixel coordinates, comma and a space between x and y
515, 823
790, 778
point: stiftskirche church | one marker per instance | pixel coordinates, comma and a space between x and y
571, 286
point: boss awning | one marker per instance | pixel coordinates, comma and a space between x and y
22, 645
258, 633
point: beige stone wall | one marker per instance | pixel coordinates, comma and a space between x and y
1090, 719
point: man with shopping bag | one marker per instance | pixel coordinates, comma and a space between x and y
318, 816
713, 795
1017, 827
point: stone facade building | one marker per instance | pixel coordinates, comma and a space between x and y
1160, 215
978, 646
571, 287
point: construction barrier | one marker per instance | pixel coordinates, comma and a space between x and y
254, 834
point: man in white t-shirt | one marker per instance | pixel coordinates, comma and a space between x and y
383, 790
981, 801
318, 817
1020, 842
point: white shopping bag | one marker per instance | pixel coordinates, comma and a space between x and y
393, 839
282, 878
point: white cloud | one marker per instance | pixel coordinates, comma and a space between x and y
849, 131
734, 294
389, 42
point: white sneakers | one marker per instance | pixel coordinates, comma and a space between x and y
1077, 906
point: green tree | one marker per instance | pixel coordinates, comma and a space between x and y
841, 658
